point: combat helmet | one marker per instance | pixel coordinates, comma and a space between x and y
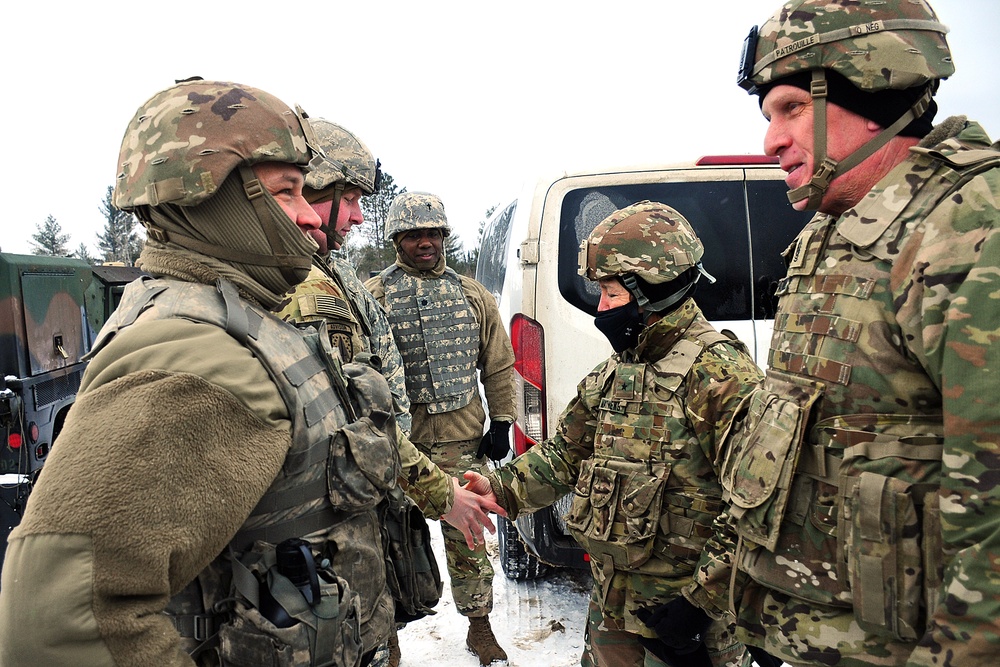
651, 248
346, 162
875, 45
415, 210
186, 140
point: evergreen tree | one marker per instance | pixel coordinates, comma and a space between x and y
120, 241
83, 252
474, 253
369, 251
49, 239
456, 256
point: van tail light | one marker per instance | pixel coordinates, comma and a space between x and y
528, 341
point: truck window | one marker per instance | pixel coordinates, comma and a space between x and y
716, 210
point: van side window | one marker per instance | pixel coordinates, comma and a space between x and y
491, 268
716, 210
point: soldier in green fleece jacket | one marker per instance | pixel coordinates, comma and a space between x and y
214, 452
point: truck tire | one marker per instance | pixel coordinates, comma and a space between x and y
517, 562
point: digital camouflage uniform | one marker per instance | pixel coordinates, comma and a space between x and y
356, 323
448, 414
639, 448
864, 481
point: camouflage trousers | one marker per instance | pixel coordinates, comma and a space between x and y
803, 633
469, 569
607, 646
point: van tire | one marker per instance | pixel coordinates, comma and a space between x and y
517, 562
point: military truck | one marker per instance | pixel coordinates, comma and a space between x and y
51, 309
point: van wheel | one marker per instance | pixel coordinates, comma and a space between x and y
517, 562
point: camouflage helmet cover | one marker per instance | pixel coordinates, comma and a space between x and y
347, 159
415, 210
648, 239
877, 45
184, 141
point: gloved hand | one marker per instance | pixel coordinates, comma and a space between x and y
763, 658
679, 624
697, 658
495, 443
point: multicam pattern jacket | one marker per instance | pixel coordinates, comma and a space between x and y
639, 447
866, 480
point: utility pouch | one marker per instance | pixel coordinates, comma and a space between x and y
618, 513
364, 460
759, 466
325, 633
363, 465
411, 569
889, 538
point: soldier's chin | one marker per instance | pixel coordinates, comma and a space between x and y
320, 238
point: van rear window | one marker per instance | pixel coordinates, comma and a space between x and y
717, 211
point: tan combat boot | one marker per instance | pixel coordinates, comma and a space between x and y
394, 654
482, 642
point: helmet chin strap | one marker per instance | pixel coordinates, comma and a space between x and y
330, 228
828, 168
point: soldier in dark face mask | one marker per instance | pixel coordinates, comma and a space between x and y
638, 447
647, 266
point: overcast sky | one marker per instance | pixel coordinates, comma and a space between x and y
468, 100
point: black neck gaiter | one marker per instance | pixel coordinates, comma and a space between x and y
621, 325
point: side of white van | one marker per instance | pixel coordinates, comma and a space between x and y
528, 259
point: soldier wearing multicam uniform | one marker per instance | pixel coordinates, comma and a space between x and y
447, 326
357, 324
639, 447
864, 481
213, 449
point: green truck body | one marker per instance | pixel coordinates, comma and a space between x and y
51, 309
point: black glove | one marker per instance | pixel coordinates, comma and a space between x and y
763, 658
679, 624
495, 443
697, 658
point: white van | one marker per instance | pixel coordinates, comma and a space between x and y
528, 259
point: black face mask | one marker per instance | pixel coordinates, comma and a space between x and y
620, 325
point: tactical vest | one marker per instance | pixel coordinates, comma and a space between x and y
631, 511
838, 465
438, 337
339, 467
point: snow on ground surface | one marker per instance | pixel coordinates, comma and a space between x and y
539, 623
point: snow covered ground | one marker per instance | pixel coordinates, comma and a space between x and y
539, 623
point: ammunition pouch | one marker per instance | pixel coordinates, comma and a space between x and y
616, 507
272, 624
889, 528
758, 469
411, 569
